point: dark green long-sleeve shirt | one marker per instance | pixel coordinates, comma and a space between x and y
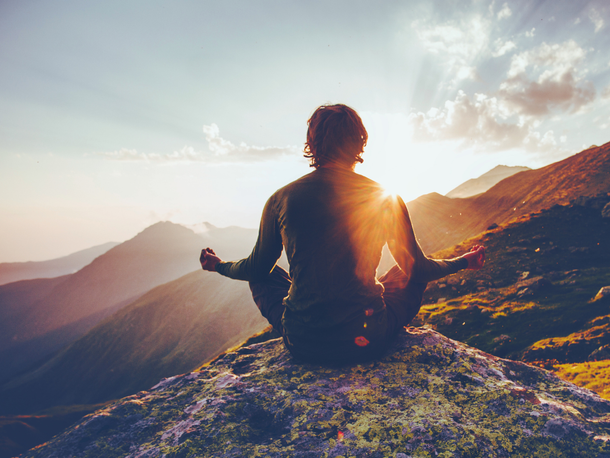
333, 224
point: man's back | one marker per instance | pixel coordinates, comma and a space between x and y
332, 230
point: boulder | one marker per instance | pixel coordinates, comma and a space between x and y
606, 211
604, 292
429, 396
533, 283
600, 353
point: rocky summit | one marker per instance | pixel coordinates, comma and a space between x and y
430, 396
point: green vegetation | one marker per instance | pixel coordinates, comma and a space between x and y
533, 300
593, 375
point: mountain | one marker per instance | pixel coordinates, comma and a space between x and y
16, 271
171, 329
441, 222
429, 396
481, 184
76, 302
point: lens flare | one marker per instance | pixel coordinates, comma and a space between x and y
361, 341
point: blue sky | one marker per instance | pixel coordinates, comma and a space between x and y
115, 115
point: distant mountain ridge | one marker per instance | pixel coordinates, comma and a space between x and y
16, 271
481, 184
172, 329
441, 222
31, 330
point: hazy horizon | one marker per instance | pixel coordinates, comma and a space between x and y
116, 116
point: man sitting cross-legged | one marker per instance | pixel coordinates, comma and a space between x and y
333, 224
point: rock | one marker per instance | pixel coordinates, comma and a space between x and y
600, 353
534, 283
604, 292
606, 211
453, 281
430, 396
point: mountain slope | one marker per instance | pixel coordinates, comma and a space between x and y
441, 222
533, 299
162, 252
16, 271
171, 329
481, 184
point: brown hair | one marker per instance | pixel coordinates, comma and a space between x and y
335, 135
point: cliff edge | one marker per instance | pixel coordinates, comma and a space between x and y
431, 396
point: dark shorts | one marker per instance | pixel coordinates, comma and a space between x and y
402, 299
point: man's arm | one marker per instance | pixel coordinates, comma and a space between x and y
263, 258
412, 260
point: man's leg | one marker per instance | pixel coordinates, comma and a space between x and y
269, 295
402, 298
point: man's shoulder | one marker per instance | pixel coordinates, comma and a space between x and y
315, 179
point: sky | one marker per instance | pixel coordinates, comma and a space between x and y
115, 115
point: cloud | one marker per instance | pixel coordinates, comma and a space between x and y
546, 78
481, 124
505, 12
125, 154
502, 47
596, 19
224, 151
531, 33
219, 151
459, 44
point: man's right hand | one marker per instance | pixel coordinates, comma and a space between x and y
475, 257
208, 260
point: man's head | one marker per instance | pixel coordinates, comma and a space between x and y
335, 135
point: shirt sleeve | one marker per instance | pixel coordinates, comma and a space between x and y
408, 253
265, 253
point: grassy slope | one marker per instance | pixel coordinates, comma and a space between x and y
548, 321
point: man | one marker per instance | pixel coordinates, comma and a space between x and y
333, 224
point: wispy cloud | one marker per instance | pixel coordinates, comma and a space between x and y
219, 151
223, 150
505, 12
502, 47
596, 19
458, 43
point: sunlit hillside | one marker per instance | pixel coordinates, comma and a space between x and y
441, 222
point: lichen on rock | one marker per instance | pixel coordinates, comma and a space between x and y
430, 396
